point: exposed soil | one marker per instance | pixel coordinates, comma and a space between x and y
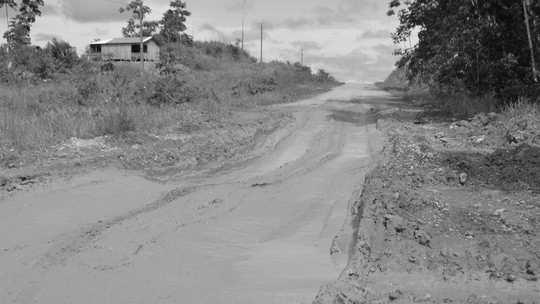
252, 209
451, 215
256, 231
190, 145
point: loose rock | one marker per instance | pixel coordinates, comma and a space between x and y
422, 237
394, 295
463, 177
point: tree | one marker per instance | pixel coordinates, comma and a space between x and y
476, 46
7, 4
173, 22
526, 5
139, 11
18, 33
132, 30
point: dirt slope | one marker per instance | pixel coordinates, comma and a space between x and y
256, 231
451, 215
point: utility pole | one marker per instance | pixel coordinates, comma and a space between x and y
141, 51
7, 42
302, 56
243, 32
243, 23
477, 44
526, 4
7, 16
262, 33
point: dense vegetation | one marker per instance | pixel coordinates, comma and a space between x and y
477, 47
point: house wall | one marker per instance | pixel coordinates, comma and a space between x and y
123, 52
116, 51
153, 51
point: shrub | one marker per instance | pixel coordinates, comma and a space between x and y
171, 90
87, 88
323, 76
63, 53
116, 121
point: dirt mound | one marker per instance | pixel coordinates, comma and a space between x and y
514, 169
445, 218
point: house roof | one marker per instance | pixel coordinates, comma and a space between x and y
99, 42
127, 40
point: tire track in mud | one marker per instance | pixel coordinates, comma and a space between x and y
69, 245
73, 244
325, 152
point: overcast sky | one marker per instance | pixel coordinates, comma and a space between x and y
349, 38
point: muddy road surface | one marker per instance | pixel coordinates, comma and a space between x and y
262, 231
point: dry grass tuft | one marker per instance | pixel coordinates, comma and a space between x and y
522, 120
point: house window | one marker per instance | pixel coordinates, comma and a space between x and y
136, 48
96, 48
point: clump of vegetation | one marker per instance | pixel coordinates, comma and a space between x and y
521, 122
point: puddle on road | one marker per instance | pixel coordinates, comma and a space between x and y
357, 118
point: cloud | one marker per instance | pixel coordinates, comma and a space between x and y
296, 23
93, 11
251, 34
358, 64
345, 13
50, 9
376, 34
102, 31
327, 16
210, 28
218, 34
307, 45
44, 37
239, 5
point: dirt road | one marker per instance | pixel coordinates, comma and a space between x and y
260, 231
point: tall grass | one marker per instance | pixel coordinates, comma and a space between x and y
201, 84
27, 124
523, 116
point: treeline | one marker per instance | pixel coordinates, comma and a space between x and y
477, 47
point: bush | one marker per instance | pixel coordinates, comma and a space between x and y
63, 53
116, 121
323, 76
171, 90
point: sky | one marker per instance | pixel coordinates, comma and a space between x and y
348, 38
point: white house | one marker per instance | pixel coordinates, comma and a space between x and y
125, 49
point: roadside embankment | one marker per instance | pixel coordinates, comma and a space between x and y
160, 155
450, 215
